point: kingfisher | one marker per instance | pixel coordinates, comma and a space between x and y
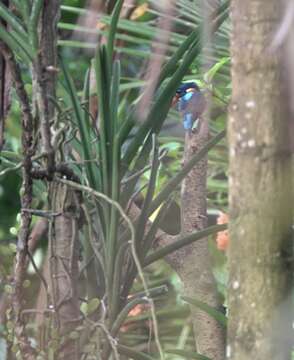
191, 103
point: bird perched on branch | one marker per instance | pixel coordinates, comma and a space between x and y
191, 103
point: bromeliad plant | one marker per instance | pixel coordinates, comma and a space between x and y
100, 162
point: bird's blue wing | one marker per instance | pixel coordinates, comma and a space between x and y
184, 101
195, 105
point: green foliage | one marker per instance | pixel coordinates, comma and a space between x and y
188, 354
116, 153
217, 315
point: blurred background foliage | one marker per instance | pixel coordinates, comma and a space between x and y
211, 71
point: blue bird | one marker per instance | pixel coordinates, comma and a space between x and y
191, 103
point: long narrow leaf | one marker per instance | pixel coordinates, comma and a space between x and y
115, 298
124, 313
115, 184
161, 106
183, 241
103, 83
12, 20
170, 66
25, 10
187, 354
133, 354
214, 313
175, 181
102, 109
143, 218
129, 38
78, 111
137, 168
86, 101
22, 43
33, 24
14, 45
115, 141
150, 236
113, 29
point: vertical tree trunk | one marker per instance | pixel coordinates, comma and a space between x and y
194, 262
260, 252
64, 270
63, 229
44, 77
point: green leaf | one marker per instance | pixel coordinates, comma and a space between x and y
143, 218
133, 354
115, 279
11, 20
25, 7
113, 29
187, 354
121, 317
33, 23
161, 106
93, 305
151, 235
131, 39
103, 108
114, 100
183, 241
22, 42
83, 129
208, 77
73, 9
88, 308
115, 177
217, 315
176, 180
171, 65
12, 42
86, 101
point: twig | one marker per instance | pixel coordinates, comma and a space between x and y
42, 213
20, 165
142, 171
40, 275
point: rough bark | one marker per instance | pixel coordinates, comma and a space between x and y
44, 75
63, 260
26, 199
5, 86
260, 251
193, 262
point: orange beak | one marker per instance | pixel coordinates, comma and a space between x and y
175, 99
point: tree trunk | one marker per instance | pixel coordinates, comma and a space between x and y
64, 270
193, 262
260, 251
